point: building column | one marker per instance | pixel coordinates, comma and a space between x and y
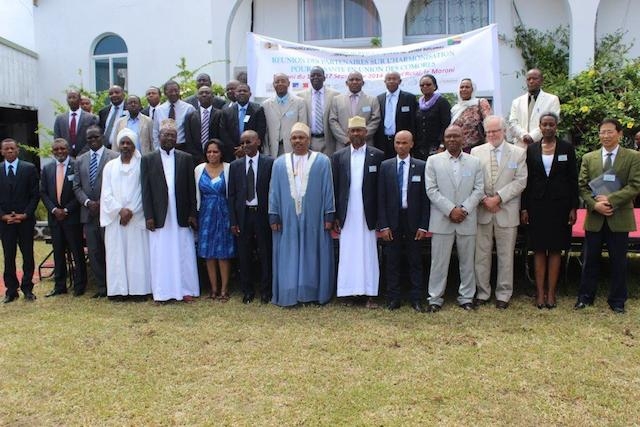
582, 34
391, 21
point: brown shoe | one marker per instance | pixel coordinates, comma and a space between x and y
502, 305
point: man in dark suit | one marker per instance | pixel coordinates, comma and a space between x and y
610, 215
403, 218
169, 203
248, 194
18, 201
203, 79
233, 121
56, 191
110, 114
72, 126
87, 185
355, 183
194, 137
153, 98
401, 108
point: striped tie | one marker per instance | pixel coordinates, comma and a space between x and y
494, 167
204, 127
318, 127
93, 169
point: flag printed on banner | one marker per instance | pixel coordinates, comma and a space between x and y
473, 55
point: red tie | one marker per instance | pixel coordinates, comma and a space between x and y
72, 130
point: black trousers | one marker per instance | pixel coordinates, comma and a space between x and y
255, 234
14, 236
617, 245
68, 236
95, 244
403, 246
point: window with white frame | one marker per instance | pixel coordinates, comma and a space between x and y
436, 17
339, 19
110, 62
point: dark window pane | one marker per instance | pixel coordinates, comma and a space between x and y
120, 72
361, 19
322, 19
102, 74
110, 44
425, 18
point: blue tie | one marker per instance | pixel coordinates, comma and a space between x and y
93, 169
242, 113
400, 180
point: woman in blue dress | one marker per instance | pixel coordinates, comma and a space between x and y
215, 241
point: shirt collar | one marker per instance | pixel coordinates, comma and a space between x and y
393, 93
78, 111
406, 160
203, 108
254, 158
359, 150
98, 152
14, 163
282, 99
319, 91
614, 151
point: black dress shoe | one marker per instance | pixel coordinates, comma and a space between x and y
55, 292
29, 296
550, 306
618, 310
247, 299
99, 295
502, 305
265, 299
417, 307
433, 308
467, 306
393, 305
10, 298
478, 302
580, 305
78, 293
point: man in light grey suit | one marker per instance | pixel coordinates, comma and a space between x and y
72, 126
282, 112
526, 110
355, 103
137, 122
505, 177
87, 185
318, 99
454, 184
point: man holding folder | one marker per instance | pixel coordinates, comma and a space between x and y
609, 213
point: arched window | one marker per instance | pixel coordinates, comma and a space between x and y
437, 17
110, 59
339, 19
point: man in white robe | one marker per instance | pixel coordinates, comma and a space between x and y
355, 181
125, 235
169, 203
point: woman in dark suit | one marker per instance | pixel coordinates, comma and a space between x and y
432, 118
549, 205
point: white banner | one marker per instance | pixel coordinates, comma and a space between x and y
473, 55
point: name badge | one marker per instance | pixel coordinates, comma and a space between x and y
512, 165
246, 119
465, 173
70, 177
289, 114
366, 109
416, 178
609, 177
215, 180
404, 109
562, 158
373, 168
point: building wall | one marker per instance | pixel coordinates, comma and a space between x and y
620, 15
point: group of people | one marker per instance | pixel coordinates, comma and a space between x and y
276, 184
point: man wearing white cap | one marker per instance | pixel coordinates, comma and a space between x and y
301, 211
355, 180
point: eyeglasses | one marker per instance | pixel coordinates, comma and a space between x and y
492, 131
607, 132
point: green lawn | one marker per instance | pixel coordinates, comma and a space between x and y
78, 361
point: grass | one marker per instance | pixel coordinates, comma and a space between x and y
78, 361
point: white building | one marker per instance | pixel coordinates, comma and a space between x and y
47, 45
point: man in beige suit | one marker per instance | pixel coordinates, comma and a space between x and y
318, 100
140, 124
526, 110
281, 112
505, 177
355, 103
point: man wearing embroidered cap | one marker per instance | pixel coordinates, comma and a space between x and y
301, 211
355, 180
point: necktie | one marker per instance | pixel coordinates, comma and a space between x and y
318, 127
172, 112
354, 104
112, 119
153, 112
204, 127
608, 164
251, 185
532, 102
241, 114
494, 166
93, 169
400, 180
389, 117
59, 180
11, 174
72, 131
11, 177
